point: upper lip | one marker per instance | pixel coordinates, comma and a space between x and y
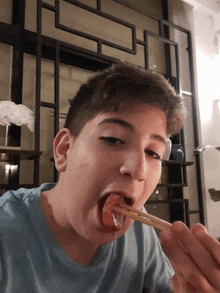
128, 197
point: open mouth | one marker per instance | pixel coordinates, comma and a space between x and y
127, 200
111, 220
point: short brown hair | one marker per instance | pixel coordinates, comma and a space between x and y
107, 89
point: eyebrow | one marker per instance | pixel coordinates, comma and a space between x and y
130, 127
159, 138
117, 121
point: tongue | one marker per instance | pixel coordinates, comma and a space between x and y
110, 218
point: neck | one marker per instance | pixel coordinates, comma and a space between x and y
78, 248
81, 252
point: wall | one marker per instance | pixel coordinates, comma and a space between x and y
203, 19
181, 14
208, 73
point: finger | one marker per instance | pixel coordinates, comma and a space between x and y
210, 243
180, 285
200, 255
175, 284
183, 264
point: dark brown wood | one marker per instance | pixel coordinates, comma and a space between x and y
10, 155
181, 163
17, 186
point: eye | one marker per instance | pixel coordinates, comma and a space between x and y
153, 154
111, 140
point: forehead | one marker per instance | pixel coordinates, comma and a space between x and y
135, 117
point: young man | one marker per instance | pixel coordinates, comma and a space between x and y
55, 238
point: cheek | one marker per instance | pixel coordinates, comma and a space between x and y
158, 173
155, 177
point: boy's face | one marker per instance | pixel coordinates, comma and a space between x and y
117, 152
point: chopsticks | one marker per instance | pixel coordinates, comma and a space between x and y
142, 217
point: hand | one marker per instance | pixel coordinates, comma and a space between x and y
195, 258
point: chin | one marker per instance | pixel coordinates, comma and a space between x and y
108, 238
108, 234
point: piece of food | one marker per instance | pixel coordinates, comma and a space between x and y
111, 218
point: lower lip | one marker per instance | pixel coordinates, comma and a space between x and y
110, 224
109, 229
105, 229
114, 228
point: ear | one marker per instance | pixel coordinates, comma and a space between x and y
61, 145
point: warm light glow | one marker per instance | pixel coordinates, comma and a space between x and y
7, 167
208, 84
14, 168
11, 167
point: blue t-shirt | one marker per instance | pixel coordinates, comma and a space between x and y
31, 260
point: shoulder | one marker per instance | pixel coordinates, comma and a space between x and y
21, 217
142, 239
158, 270
22, 197
18, 208
16, 204
13, 206
145, 234
16, 197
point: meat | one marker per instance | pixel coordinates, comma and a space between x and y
110, 218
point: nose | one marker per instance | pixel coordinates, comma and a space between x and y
134, 165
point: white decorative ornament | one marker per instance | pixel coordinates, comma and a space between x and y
11, 113
202, 148
166, 155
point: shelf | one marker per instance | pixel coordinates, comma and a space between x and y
185, 200
171, 185
172, 202
17, 186
181, 163
194, 212
10, 155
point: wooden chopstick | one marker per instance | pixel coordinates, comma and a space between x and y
142, 217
